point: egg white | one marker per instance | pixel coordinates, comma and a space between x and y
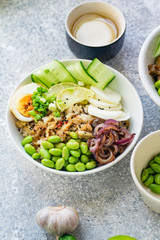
21, 92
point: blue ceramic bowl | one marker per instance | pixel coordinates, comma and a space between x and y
105, 51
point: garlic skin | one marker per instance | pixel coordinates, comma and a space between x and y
58, 220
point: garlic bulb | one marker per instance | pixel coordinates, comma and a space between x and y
58, 220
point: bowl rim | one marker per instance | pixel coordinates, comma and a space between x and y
87, 172
132, 169
87, 45
141, 66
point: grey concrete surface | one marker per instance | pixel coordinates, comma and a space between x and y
32, 33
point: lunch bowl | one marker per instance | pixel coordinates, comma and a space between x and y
85, 50
144, 151
130, 101
146, 57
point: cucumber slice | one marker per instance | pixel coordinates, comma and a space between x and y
80, 74
52, 73
157, 53
101, 73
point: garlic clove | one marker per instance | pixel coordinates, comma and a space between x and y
58, 220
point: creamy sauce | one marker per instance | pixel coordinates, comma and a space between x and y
94, 30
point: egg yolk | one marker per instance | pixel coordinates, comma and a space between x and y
24, 105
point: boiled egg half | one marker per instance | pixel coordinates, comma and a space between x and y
21, 102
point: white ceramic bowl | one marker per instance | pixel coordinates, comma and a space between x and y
144, 151
130, 101
146, 57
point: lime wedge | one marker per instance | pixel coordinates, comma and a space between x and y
70, 96
121, 237
54, 90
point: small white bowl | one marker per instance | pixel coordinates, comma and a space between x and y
146, 57
144, 151
130, 101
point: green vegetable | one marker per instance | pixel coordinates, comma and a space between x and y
45, 153
155, 188
157, 159
29, 149
157, 178
157, 84
47, 144
80, 167
55, 152
73, 159
75, 153
84, 159
149, 180
71, 168
122, 237
36, 156
150, 170
65, 153
73, 135
47, 163
84, 147
56, 73
91, 165
101, 73
67, 237
26, 140
144, 175
155, 167
157, 53
60, 145
72, 145
59, 164
54, 159
54, 139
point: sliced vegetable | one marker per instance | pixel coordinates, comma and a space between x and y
104, 114
80, 74
101, 73
54, 90
157, 53
52, 73
108, 95
106, 106
70, 96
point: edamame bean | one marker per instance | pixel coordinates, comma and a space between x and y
149, 180
54, 159
80, 167
157, 178
26, 140
72, 145
73, 135
36, 156
73, 159
59, 164
150, 170
75, 153
55, 152
152, 161
67, 237
144, 175
84, 147
155, 167
89, 153
91, 165
84, 159
45, 153
65, 164
157, 159
60, 145
71, 168
47, 162
47, 145
54, 139
155, 188
65, 153
29, 149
